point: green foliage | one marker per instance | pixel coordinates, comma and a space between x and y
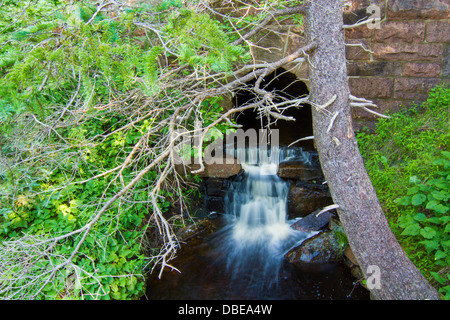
111, 253
62, 68
408, 160
202, 41
432, 224
81, 93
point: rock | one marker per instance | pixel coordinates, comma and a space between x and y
312, 222
371, 87
400, 31
425, 52
356, 272
302, 200
215, 204
201, 228
321, 248
213, 192
299, 171
351, 262
429, 70
350, 257
214, 170
418, 9
214, 187
446, 64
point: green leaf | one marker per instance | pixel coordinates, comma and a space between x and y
411, 230
435, 220
439, 183
431, 244
447, 228
439, 195
446, 154
112, 257
428, 233
420, 217
403, 201
438, 277
440, 208
440, 255
431, 204
418, 199
446, 243
412, 191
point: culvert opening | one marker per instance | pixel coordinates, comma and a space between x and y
286, 85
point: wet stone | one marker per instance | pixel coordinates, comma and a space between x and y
321, 248
305, 199
299, 171
313, 221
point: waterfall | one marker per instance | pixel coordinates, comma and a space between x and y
244, 258
258, 202
258, 233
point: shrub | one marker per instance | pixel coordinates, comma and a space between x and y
408, 161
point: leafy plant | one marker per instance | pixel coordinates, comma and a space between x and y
88, 98
432, 224
408, 161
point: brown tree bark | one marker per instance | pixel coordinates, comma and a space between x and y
360, 212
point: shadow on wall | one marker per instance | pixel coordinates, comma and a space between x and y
286, 85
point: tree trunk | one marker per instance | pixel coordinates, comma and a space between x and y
370, 237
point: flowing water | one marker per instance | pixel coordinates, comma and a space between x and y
258, 233
244, 258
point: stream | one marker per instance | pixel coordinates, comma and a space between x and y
243, 258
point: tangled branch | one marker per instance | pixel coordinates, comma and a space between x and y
29, 264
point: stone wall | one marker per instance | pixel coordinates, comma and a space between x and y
405, 57
395, 65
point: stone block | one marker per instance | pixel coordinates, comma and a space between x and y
360, 32
414, 88
357, 49
384, 106
374, 68
446, 61
214, 170
313, 222
303, 200
371, 87
297, 170
400, 31
438, 31
276, 43
417, 98
215, 187
322, 247
407, 52
418, 9
429, 70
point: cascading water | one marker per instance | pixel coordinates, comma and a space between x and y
258, 233
244, 258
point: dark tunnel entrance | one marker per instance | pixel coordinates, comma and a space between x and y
285, 84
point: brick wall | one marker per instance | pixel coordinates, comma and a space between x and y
400, 62
404, 58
